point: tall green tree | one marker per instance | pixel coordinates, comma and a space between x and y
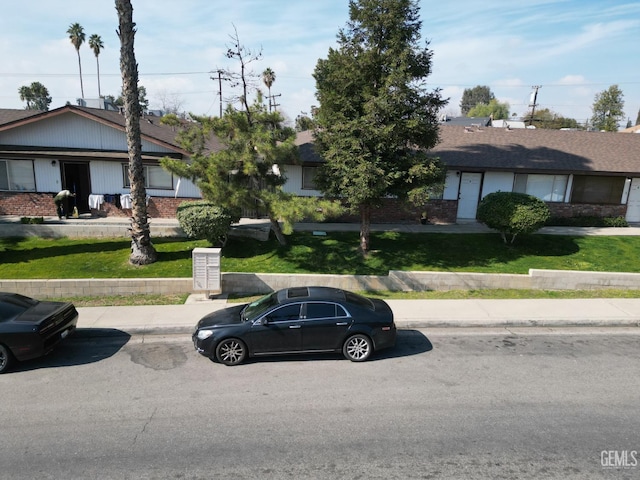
499, 110
142, 250
638, 118
36, 95
95, 43
608, 109
248, 173
376, 119
77, 36
473, 96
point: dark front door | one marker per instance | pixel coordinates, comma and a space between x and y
75, 178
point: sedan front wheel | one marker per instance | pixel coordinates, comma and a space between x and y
5, 358
231, 351
357, 348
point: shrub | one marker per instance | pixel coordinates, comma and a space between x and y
32, 220
204, 220
512, 213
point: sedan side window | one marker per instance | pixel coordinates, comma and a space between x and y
285, 313
320, 310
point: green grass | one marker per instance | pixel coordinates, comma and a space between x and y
336, 253
37, 258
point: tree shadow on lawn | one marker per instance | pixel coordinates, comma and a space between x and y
338, 253
11, 249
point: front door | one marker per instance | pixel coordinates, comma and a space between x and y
633, 203
75, 178
469, 195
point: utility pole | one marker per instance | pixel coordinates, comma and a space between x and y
272, 102
220, 79
533, 100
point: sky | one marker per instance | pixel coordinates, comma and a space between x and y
571, 49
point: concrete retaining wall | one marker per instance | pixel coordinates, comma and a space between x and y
250, 283
78, 230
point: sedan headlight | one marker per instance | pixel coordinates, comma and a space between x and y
204, 334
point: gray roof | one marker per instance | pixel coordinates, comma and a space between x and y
525, 150
539, 150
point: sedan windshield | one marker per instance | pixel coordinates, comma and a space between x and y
258, 307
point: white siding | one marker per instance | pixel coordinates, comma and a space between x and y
107, 178
497, 182
72, 131
294, 182
47, 176
451, 185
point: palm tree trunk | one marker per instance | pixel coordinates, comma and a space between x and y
365, 228
98, 67
142, 250
80, 69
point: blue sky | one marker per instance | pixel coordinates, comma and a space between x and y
572, 49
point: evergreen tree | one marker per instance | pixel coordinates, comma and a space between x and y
376, 120
471, 97
608, 109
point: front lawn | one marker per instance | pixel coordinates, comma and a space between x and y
25, 258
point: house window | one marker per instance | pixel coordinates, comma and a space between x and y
309, 178
17, 176
154, 177
550, 188
592, 189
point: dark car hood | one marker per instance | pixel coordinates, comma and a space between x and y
227, 316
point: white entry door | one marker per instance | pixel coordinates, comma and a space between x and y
469, 195
633, 202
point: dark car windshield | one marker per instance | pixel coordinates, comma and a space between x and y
258, 307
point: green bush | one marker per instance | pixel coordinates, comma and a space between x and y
32, 220
512, 213
204, 220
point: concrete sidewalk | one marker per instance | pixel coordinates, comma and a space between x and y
409, 314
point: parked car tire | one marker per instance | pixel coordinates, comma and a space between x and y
357, 348
6, 359
231, 351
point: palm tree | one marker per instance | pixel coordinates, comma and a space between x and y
142, 250
95, 42
269, 77
76, 35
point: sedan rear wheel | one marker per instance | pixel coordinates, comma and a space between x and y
5, 359
231, 351
357, 348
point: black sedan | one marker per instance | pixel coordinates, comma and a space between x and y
297, 320
30, 328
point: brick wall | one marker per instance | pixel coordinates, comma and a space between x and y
30, 204
567, 210
395, 211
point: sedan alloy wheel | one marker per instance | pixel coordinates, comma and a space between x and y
5, 358
231, 351
357, 348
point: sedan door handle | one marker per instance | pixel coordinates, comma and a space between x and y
294, 326
340, 324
